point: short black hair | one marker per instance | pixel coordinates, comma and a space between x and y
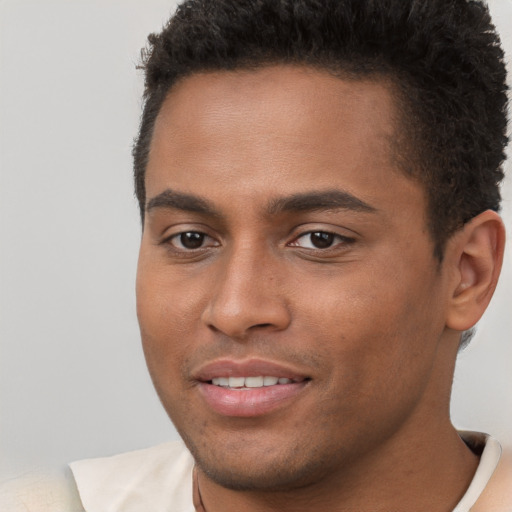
444, 57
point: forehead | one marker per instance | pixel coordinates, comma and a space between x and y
283, 128
278, 102
276, 88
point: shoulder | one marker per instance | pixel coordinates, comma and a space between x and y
148, 479
497, 494
53, 491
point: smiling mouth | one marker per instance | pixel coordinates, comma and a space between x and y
249, 388
245, 383
251, 396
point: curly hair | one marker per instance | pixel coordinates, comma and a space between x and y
444, 57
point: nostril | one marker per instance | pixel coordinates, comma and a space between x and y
237, 319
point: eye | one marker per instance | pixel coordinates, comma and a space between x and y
191, 240
319, 240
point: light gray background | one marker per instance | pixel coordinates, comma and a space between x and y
73, 383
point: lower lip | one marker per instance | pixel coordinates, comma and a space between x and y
249, 402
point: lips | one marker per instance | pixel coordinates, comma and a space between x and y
249, 388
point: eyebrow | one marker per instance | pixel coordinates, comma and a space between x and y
302, 202
171, 199
318, 201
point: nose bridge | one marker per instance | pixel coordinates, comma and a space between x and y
247, 292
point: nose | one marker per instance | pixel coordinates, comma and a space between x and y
247, 295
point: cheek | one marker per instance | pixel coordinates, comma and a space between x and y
163, 314
169, 335
167, 304
374, 324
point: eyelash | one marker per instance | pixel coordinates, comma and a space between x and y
178, 236
342, 240
200, 236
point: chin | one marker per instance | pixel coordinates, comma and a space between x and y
275, 479
268, 470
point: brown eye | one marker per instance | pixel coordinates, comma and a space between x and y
321, 239
192, 240
189, 240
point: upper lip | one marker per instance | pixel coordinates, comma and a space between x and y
246, 368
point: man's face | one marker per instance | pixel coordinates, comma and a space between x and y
282, 241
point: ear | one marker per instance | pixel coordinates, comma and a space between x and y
475, 256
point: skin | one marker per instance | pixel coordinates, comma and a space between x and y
373, 320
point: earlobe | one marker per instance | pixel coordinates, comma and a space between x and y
476, 256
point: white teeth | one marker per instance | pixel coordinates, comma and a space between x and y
220, 381
253, 382
270, 381
236, 382
249, 382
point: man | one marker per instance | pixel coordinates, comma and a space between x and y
318, 184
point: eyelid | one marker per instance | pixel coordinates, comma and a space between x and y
340, 241
169, 227
175, 231
178, 228
307, 229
